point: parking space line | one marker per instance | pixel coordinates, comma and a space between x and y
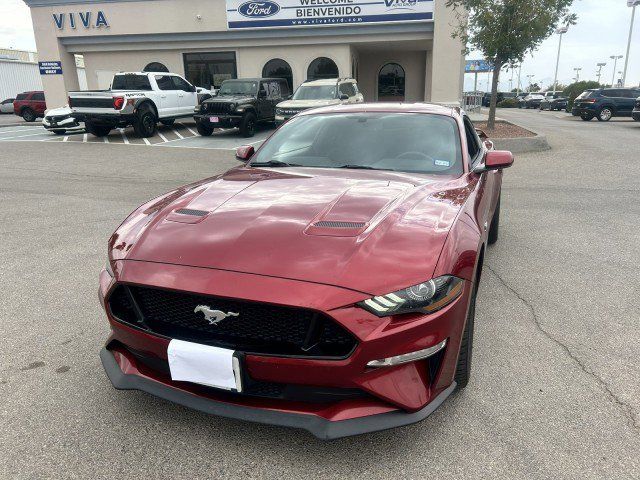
146, 140
105, 139
84, 138
185, 126
162, 137
21, 136
66, 138
22, 129
177, 133
124, 137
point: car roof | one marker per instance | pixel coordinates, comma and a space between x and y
386, 107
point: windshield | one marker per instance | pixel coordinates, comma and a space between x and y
238, 88
405, 142
316, 92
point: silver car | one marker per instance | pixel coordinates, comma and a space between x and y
60, 121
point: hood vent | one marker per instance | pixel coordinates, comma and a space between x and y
328, 224
192, 212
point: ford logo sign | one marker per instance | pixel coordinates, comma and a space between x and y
262, 9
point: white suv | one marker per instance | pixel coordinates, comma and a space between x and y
319, 93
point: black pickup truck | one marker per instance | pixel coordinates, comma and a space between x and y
242, 103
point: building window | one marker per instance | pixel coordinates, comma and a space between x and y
322, 67
278, 68
391, 83
155, 67
209, 70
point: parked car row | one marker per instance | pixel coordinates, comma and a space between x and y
606, 103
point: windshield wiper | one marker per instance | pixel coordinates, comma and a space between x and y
358, 167
275, 163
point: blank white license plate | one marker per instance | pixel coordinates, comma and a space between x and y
205, 365
214, 119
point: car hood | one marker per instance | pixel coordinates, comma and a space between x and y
341, 228
304, 104
232, 98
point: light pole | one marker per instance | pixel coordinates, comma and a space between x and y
615, 59
518, 87
577, 70
633, 4
530, 76
560, 31
600, 65
513, 67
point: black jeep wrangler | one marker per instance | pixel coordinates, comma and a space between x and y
242, 103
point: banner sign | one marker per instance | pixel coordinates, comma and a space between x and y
310, 13
50, 68
478, 66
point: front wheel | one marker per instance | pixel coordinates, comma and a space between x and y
463, 367
605, 114
248, 125
495, 225
29, 115
204, 129
97, 130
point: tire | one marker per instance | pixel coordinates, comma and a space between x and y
59, 132
168, 122
146, 123
28, 115
605, 114
586, 118
97, 130
495, 225
204, 130
463, 367
248, 125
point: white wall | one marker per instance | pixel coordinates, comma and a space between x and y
16, 77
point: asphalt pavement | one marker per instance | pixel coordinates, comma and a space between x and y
555, 388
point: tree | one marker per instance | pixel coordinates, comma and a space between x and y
575, 89
534, 87
507, 30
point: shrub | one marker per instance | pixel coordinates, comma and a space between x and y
508, 103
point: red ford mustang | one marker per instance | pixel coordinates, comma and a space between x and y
328, 283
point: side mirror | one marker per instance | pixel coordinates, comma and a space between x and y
344, 96
495, 160
244, 153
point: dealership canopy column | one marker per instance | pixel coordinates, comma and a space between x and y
398, 50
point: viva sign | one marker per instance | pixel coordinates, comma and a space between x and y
82, 19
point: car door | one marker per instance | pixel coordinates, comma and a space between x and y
627, 101
488, 184
37, 103
187, 97
167, 102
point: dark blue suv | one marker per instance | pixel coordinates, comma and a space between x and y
604, 103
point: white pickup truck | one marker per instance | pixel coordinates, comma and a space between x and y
141, 99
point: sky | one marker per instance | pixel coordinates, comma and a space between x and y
602, 30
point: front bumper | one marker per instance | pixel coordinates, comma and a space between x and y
112, 120
67, 124
390, 396
125, 376
224, 120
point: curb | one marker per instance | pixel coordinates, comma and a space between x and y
537, 143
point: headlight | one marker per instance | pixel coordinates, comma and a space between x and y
426, 297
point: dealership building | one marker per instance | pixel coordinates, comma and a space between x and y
398, 50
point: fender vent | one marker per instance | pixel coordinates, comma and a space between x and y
192, 212
327, 224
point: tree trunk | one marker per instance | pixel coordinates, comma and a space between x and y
497, 66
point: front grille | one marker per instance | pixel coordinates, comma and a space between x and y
218, 107
58, 118
91, 102
258, 328
329, 224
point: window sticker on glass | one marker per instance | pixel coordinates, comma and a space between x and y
441, 163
